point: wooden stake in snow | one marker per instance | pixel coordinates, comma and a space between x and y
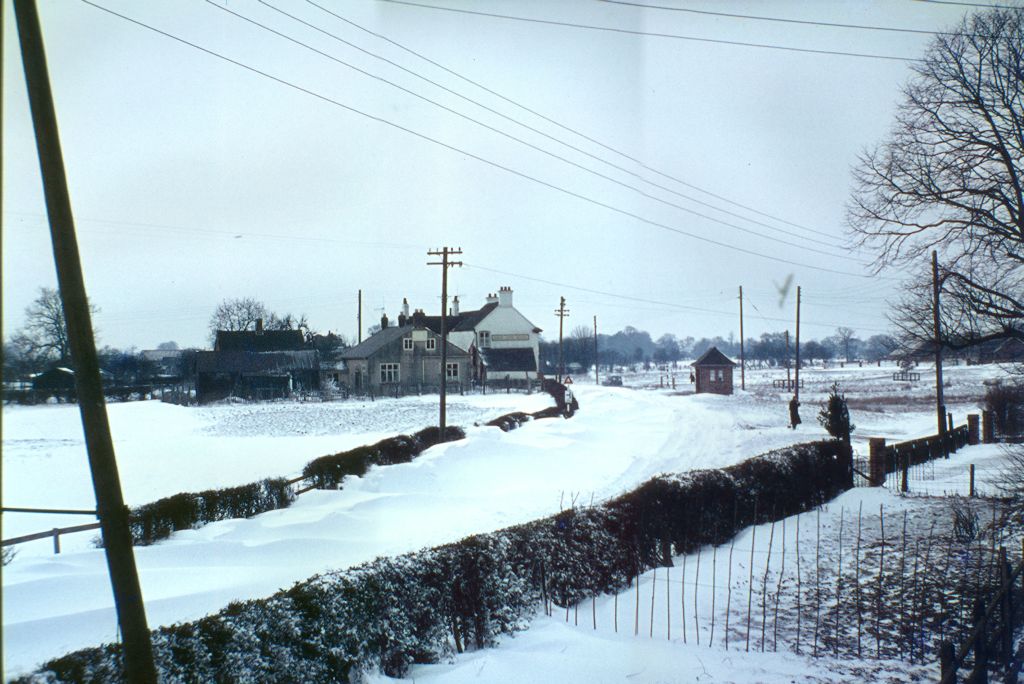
903, 568
682, 599
668, 604
654, 584
615, 613
856, 597
764, 584
799, 586
750, 580
778, 591
593, 609
714, 590
728, 593
839, 580
881, 575
817, 586
696, 583
636, 619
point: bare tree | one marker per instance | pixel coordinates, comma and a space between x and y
950, 178
844, 336
45, 336
237, 314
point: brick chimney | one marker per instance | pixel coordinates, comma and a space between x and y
455, 306
383, 321
505, 296
419, 319
492, 298
259, 326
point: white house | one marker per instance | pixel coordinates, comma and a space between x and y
503, 344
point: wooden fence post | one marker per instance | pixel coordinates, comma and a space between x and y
988, 427
905, 465
876, 461
973, 431
971, 492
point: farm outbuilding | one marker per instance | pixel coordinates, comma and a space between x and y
713, 372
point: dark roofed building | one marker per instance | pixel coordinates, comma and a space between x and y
403, 359
713, 372
256, 364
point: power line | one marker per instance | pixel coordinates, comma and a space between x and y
564, 127
969, 4
802, 22
458, 150
633, 32
520, 140
644, 300
524, 125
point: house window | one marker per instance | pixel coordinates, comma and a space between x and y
407, 343
431, 344
390, 372
485, 339
452, 371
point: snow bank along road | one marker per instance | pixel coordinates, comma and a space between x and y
54, 604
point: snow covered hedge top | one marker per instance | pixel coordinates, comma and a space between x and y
419, 607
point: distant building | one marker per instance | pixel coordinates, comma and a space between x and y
713, 372
403, 359
256, 364
503, 345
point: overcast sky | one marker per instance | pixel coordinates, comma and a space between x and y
705, 165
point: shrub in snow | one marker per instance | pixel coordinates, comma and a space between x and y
157, 520
1006, 402
509, 421
327, 472
420, 607
834, 415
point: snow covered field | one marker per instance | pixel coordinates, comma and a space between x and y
620, 437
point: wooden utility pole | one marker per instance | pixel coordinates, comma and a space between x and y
445, 264
597, 362
110, 508
940, 402
561, 312
359, 319
796, 379
788, 378
743, 361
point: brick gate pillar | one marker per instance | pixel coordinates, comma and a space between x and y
973, 434
876, 461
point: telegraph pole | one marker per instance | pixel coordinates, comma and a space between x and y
359, 319
562, 313
940, 402
597, 364
743, 362
110, 508
796, 382
445, 264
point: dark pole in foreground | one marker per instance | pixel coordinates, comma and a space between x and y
940, 402
113, 514
444, 253
597, 364
796, 378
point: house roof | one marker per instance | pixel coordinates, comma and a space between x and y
465, 320
713, 357
388, 336
262, 341
508, 360
375, 342
256, 362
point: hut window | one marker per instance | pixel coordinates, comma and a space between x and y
452, 371
390, 372
431, 344
407, 343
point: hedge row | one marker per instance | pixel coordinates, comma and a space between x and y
157, 520
327, 472
421, 607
